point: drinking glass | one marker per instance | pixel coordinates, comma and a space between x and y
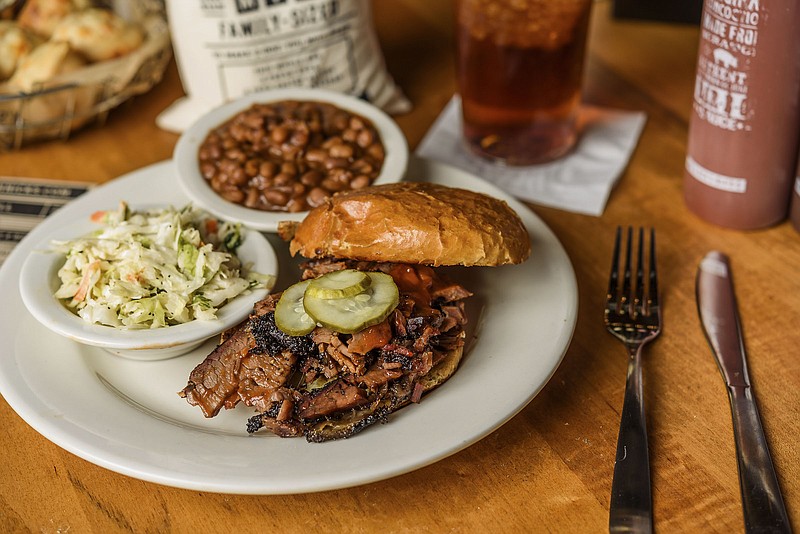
520, 67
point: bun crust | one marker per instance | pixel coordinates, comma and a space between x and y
412, 222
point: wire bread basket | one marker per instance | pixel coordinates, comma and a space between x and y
54, 109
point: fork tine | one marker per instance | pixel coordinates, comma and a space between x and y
613, 279
626, 277
638, 305
652, 293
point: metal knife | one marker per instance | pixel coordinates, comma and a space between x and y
764, 510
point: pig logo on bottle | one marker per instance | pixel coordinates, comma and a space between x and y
725, 58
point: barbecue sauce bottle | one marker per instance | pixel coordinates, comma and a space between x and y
743, 131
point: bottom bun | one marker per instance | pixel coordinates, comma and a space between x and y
356, 420
443, 370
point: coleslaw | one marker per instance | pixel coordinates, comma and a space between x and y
154, 268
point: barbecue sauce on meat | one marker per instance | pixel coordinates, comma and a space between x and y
415, 282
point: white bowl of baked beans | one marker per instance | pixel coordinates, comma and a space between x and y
271, 156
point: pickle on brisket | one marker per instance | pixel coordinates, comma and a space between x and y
348, 315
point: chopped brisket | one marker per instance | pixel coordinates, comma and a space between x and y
372, 337
419, 389
336, 397
330, 343
449, 292
380, 375
315, 268
454, 316
285, 429
327, 385
399, 323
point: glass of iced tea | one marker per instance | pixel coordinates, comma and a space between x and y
520, 66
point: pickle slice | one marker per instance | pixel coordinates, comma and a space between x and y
350, 314
290, 315
339, 284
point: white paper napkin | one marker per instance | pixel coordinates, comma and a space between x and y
579, 182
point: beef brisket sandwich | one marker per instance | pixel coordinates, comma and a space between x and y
372, 325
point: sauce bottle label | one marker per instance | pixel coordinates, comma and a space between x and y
714, 179
729, 37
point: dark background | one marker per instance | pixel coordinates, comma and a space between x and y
685, 11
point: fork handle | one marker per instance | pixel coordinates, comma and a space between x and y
761, 496
631, 502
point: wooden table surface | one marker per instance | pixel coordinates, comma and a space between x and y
549, 469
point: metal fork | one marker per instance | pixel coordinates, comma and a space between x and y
632, 315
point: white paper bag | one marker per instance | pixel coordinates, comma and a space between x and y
229, 48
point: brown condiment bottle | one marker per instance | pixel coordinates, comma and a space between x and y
743, 131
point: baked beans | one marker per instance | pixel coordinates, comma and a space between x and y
290, 155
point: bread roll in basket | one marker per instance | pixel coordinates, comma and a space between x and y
84, 62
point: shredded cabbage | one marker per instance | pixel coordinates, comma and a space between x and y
154, 268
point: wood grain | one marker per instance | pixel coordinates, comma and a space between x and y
549, 469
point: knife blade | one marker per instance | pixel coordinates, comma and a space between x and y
762, 502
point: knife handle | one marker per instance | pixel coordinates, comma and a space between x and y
762, 502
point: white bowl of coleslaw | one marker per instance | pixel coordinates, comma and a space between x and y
149, 284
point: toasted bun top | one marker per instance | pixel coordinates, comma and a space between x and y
411, 222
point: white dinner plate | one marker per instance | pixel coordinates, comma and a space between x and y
126, 416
